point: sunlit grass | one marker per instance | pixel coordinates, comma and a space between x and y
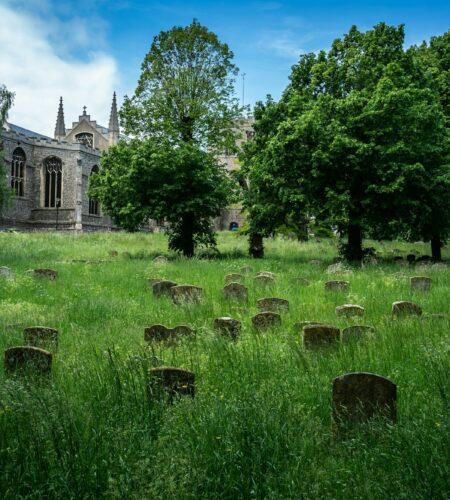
259, 425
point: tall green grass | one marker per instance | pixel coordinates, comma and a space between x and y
259, 425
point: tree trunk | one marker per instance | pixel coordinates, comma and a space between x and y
187, 236
256, 246
436, 246
354, 245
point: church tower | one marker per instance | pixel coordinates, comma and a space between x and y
114, 123
60, 129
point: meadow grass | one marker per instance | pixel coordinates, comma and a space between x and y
259, 425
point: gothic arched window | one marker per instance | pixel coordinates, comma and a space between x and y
86, 139
18, 172
94, 205
53, 181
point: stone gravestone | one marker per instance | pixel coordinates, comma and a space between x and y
160, 259
336, 286
235, 291
186, 293
421, 283
161, 333
273, 304
175, 381
315, 262
266, 273
356, 332
301, 281
349, 310
234, 278
46, 273
358, 397
406, 308
228, 326
5, 272
152, 281
298, 327
266, 320
264, 279
26, 360
161, 288
41, 336
320, 335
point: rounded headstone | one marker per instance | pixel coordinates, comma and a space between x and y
160, 259
234, 278
406, 308
228, 326
269, 274
298, 327
41, 336
320, 335
235, 291
273, 304
27, 360
358, 397
262, 279
349, 310
5, 272
266, 320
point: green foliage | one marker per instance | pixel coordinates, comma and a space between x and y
149, 179
362, 143
259, 425
186, 90
6, 100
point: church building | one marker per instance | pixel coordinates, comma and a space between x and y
49, 176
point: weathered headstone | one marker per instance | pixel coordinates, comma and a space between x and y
263, 279
301, 281
421, 283
298, 327
160, 259
228, 326
46, 273
273, 304
336, 286
5, 272
266, 320
161, 333
338, 268
175, 381
320, 335
234, 278
152, 281
349, 310
358, 397
406, 308
163, 287
356, 332
186, 294
41, 336
315, 262
27, 360
235, 291
269, 274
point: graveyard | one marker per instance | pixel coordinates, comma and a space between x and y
131, 372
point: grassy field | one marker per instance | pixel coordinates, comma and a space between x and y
259, 425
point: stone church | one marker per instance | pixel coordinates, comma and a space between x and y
49, 176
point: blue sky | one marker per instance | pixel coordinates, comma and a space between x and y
106, 41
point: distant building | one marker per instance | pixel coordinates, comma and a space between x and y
49, 176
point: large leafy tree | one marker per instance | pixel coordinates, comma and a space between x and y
186, 91
149, 179
361, 139
185, 105
6, 99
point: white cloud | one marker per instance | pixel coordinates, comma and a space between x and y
43, 58
281, 42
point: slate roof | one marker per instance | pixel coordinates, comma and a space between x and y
26, 132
